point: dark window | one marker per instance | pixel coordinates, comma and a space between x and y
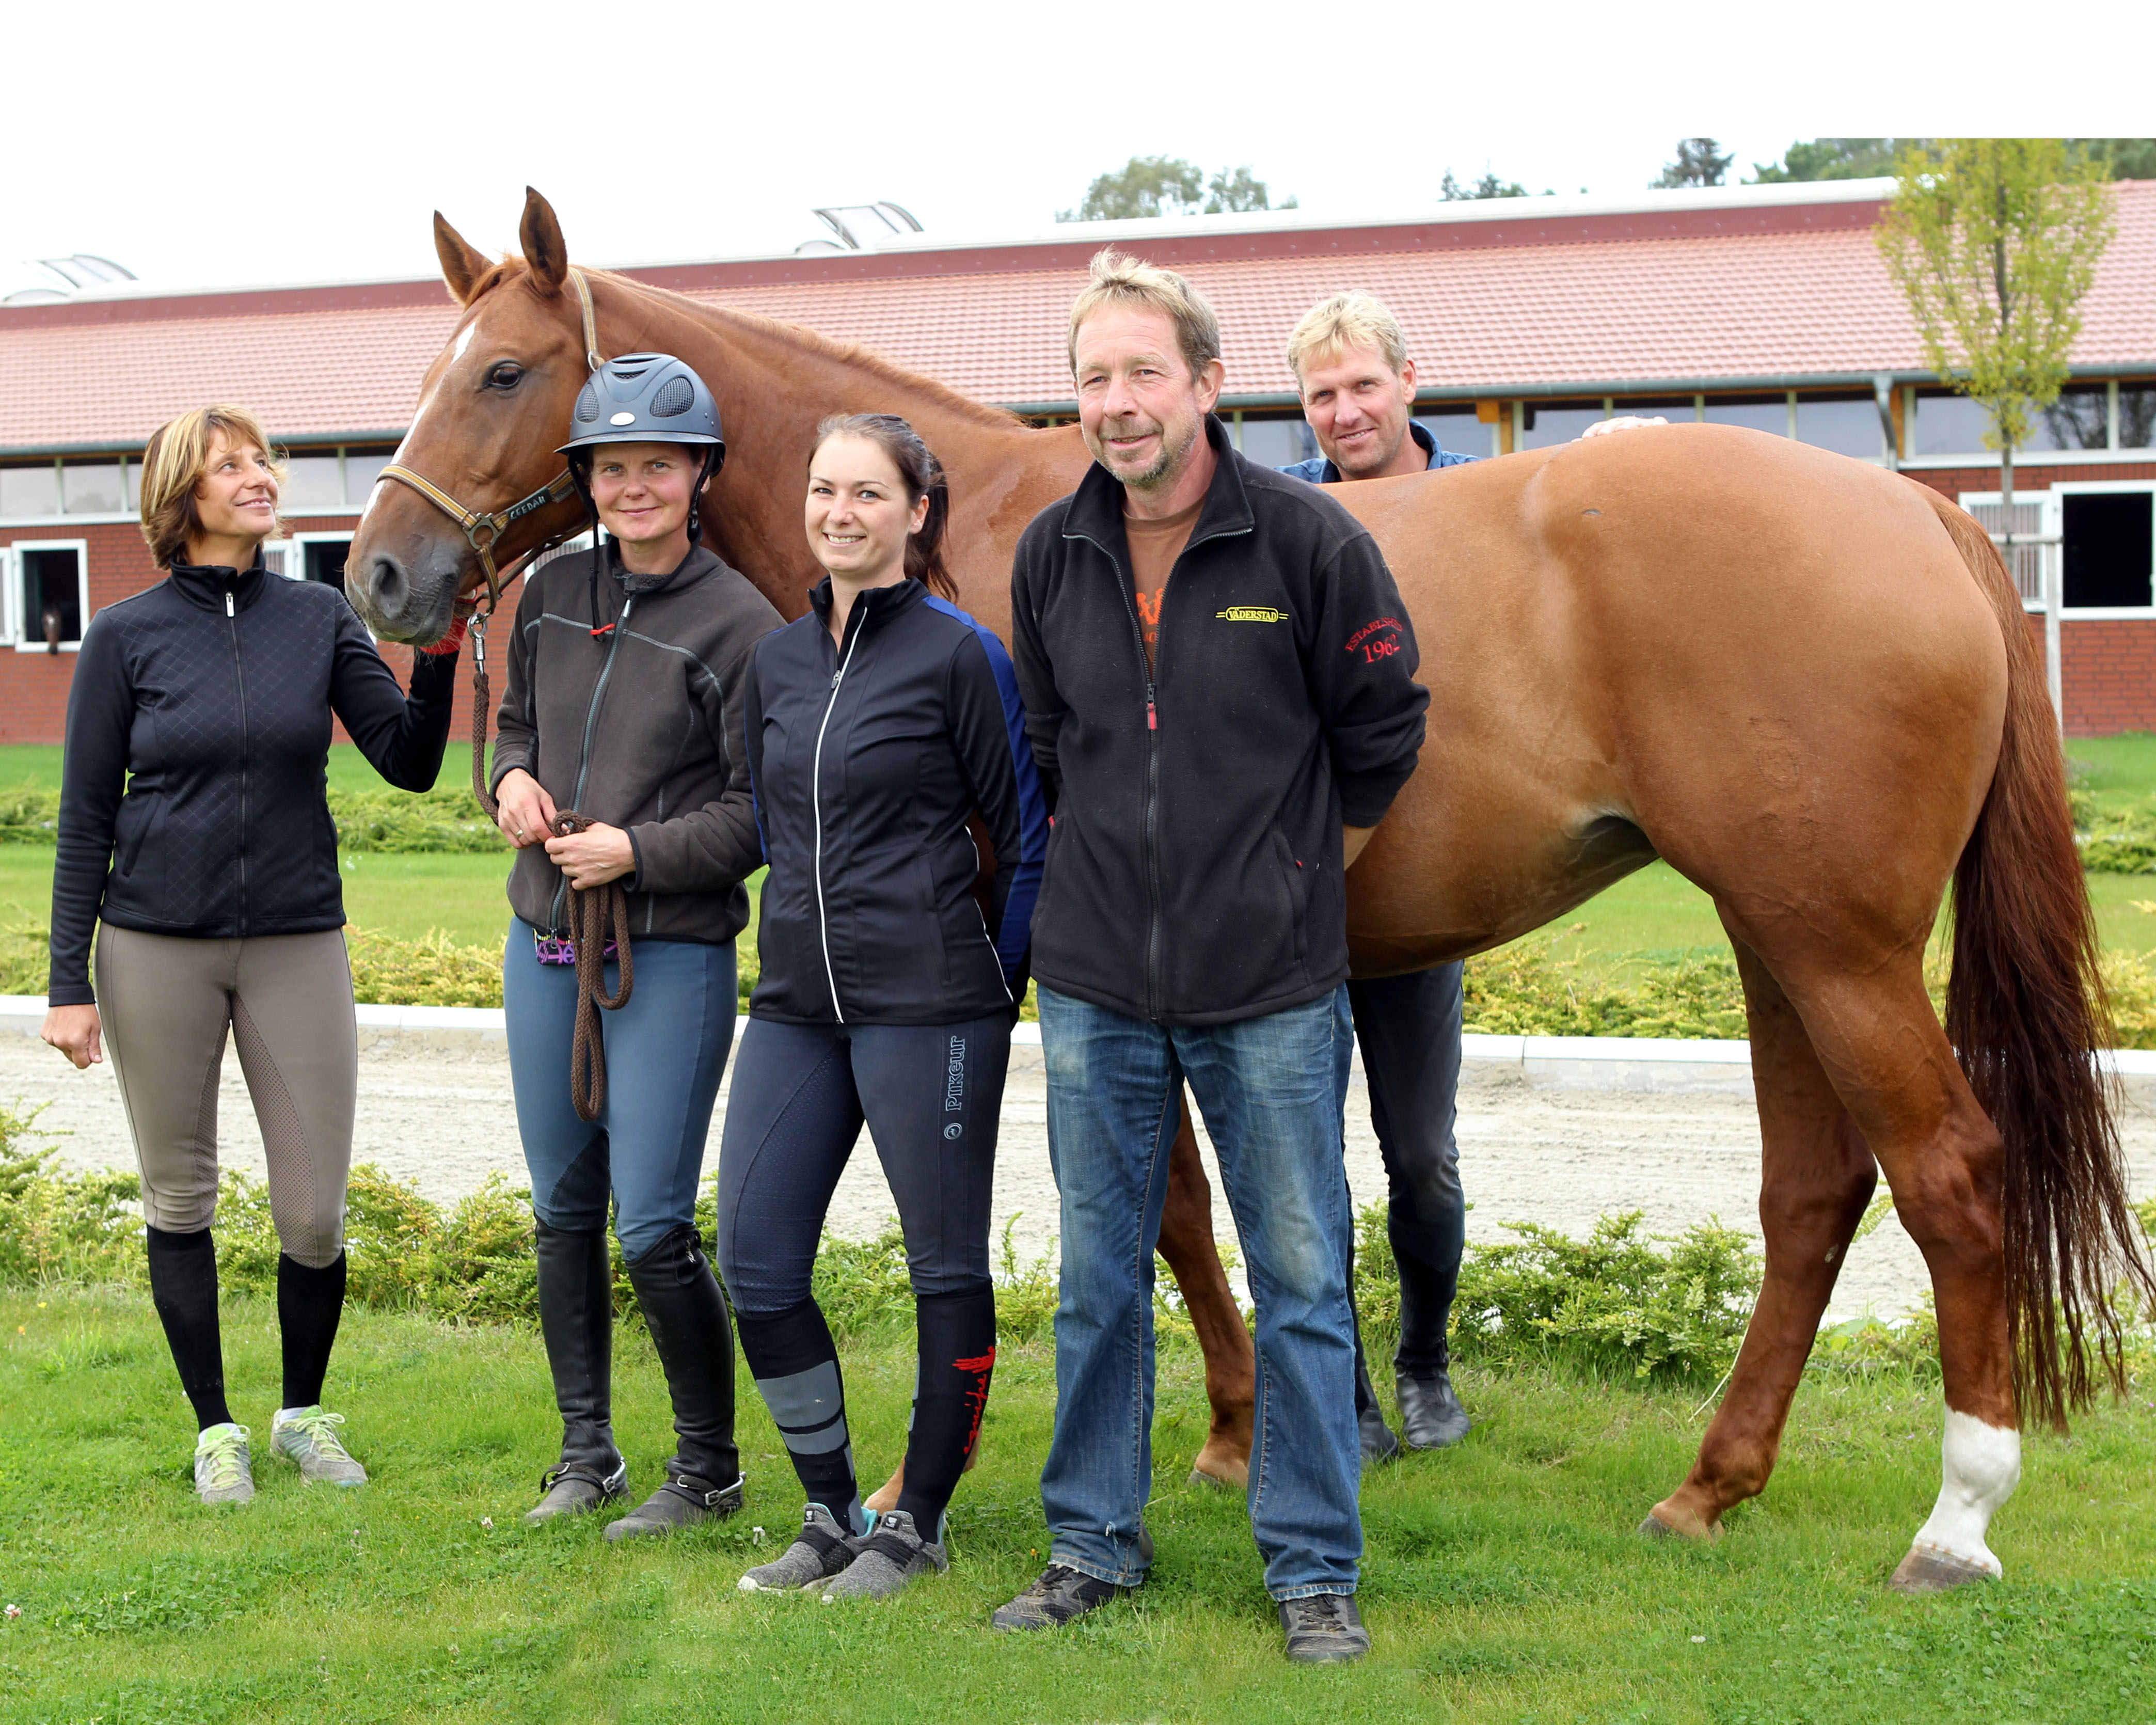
1847, 424
1675, 408
325, 560
1950, 424
2079, 420
2137, 416
1276, 442
52, 592
1556, 422
1457, 430
2108, 545
1770, 413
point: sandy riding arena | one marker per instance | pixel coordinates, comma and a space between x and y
1558, 1141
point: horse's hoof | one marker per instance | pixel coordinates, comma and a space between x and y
1930, 1569
1656, 1527
1220, 1475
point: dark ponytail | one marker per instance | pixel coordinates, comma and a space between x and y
922, 475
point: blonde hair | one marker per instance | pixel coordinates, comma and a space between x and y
1350, 320
173, 465
1114, 279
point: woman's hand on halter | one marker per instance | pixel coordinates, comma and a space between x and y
76, 1032
525, 810
592, 857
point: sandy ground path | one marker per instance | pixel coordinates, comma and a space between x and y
1558, 1156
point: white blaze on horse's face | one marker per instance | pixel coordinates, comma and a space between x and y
1141, 406
1359, 407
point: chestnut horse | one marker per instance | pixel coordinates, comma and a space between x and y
1804, 682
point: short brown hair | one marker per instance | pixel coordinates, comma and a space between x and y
1114, 279
1349, 320
173, 465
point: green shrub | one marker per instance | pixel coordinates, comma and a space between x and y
436, 970
414, 823
29, 814
1524, 989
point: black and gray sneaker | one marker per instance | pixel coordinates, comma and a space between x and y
684, 1500
1324, 1629
820, 1551
1431, 1417
891, 1557
574, 1488
1060, 1594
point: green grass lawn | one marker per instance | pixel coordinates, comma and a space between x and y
1656, 913
1503, 1581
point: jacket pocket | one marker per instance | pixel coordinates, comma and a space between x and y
1296, 877
139, 817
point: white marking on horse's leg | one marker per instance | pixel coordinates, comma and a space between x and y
1980, 1465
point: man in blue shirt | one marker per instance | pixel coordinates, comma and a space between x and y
1358, 389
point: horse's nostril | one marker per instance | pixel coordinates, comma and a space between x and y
388, 586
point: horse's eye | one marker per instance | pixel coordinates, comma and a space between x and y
505, 376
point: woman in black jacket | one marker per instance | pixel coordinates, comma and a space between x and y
193, 827
881, 726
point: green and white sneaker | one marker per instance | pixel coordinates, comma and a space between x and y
222, 1472
307, 1437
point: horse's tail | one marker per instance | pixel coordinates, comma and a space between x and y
2026, 1010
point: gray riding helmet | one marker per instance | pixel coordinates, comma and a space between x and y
646, 398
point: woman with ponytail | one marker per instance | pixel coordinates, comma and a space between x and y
884, 732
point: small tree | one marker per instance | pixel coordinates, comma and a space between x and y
1489, 186
1168, 186
1700, 161
1993, 242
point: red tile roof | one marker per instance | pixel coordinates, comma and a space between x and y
1519, 301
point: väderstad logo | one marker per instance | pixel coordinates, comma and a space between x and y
1251, 613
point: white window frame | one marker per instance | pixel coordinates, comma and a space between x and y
2063, 488
15, 624
300, 541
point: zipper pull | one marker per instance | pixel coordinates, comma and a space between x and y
1152, 720
227, 604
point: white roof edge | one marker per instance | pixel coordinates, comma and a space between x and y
1464, 212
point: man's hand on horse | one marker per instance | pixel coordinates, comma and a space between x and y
592, 857
525, 810
1623, 422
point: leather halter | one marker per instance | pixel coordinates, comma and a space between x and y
483, 531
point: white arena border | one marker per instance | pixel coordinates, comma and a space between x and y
1580, 1062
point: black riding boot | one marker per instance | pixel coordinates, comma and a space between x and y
576, 1317
686, 1315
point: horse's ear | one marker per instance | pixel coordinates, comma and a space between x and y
463, 263
545, 251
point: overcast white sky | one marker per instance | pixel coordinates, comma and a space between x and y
202, 144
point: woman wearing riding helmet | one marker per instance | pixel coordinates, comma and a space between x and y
880, 726
623, 703
198, 853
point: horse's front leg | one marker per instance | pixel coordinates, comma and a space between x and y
1231, 1363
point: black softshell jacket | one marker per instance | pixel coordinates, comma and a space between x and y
869, 757
633, 717
194, 793
1194, 870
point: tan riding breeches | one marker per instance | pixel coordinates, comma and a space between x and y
165, 1002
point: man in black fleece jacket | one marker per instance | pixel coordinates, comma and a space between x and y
1219, 677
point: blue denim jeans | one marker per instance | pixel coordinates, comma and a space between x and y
1268, 1088
664, 1051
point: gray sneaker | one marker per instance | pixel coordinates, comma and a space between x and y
574, 1488
890, 1558
224, 1473
1324, 1629
820, 1551
307, 1437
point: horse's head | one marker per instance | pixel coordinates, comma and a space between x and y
494, 405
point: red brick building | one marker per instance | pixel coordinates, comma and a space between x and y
1528, 319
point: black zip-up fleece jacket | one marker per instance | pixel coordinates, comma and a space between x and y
633, 716
867, 759
1194, 870
193, 793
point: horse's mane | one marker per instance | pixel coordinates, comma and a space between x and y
846, 353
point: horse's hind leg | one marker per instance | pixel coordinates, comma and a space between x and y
1231, 1361
1817, 1177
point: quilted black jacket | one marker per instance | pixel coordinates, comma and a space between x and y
192, 794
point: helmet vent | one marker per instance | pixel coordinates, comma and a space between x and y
587, 405
675, 397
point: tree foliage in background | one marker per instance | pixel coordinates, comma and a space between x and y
1994, 242
1489, 186
2127, 158
1700, 161
1168, 186
1830, 159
